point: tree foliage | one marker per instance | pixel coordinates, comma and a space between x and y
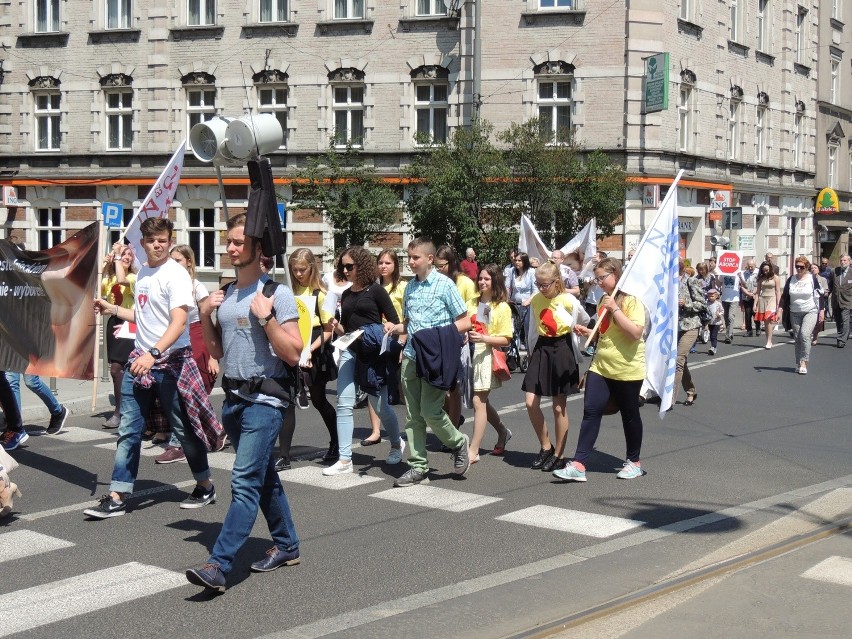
351, 195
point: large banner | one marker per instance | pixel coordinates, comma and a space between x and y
47, 325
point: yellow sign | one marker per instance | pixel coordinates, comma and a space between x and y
306, 306
827, 201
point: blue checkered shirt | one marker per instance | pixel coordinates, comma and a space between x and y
430, 303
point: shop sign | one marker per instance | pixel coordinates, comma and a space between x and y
827, 202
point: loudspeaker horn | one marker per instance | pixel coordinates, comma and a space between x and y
207, 140
250, 136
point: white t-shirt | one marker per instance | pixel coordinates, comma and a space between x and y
158, 291
201, 293
802, 294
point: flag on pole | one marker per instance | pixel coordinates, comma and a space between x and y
584, 244
530, 243
157, 202
652, 277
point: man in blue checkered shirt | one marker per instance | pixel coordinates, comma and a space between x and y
431, 300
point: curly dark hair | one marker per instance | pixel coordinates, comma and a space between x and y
366, 270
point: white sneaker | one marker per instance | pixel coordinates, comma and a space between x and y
338, 468
395, 455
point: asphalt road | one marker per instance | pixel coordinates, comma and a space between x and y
761, 457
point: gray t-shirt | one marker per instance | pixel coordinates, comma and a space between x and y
247, 351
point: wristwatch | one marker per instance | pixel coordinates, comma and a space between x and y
155, 352
263, 321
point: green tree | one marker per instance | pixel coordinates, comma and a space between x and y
351, 195
457, 195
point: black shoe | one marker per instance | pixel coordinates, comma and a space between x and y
332, 454
57, 421
107, 507
728, 339
543, 456
552, 464
370, 442
200, 497
750, 334
208, 576
275, 559
282, 463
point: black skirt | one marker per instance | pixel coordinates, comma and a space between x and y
118, 348
552, 368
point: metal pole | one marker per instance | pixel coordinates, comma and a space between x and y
477, 58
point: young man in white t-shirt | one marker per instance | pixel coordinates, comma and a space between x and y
163, 298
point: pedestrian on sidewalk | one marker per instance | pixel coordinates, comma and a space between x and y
58, 412
433, 308
161, 364
257, 339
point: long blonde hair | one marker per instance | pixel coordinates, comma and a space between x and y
306, 256
189, 255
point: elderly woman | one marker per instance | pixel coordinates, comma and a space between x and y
799, 307
691, 302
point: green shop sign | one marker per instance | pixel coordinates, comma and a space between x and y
655, 96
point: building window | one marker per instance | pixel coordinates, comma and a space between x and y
801, 36
832, 166
797, 140
348, 107
118, 14
762, 24
734, 130
49, 228
273, 11
431, 8
348, 9
684, 117
201, 12
46, 16
837, 9
834, 86
556, 4
430, 107
201, 231
737, 19
687, 9
47, 118
760, 133
119, 120
273, 99
200, 106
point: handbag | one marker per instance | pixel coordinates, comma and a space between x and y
499, 366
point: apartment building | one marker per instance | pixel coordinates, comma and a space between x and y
96, 95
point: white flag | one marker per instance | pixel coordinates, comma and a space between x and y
584, 244
157, 202
530, 243
652, 277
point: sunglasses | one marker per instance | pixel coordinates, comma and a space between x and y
800, 266
348, 267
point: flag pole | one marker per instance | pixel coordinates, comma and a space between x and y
98, 316
671, 193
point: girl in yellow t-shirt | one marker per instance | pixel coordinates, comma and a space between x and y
118, 287
618, 369
553, 370
491, 320
305, 279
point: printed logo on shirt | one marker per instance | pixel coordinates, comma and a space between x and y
142, 299
549, 322
605, 323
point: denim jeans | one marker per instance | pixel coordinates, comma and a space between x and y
10, 407
135, 407
38, 387
346, 404
253, 429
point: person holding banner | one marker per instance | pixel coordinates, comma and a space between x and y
618, 370
117, 287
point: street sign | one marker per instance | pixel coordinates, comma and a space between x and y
745, 243
719, 200
113, 213
656, 93
714, 216
733, 218
729, 262
10, 196
282, 214
651, 196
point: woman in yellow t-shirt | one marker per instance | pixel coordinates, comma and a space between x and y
491, 328
118, 287
618, 369
553, 370
389, 277
305, 279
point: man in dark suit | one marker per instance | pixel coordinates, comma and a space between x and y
841, 284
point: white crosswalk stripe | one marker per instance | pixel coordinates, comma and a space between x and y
147, 449
82, 594
312, 476
26, 543
454, 501
82, 435
834, 570
571, 521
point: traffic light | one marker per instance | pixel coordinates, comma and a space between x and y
733, 218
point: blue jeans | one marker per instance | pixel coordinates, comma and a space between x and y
253, 429
135, 407
346, 404
38, 387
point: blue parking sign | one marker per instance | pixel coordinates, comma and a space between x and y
113, 213
282, 214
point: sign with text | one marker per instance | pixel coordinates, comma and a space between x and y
719, 200
10, 196
656, 93
827, 202
729, 262
745, 243
113, 214
651, 196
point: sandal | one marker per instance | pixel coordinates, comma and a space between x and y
501, 450
690, 399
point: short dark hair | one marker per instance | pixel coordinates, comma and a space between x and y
236, 220
153, 225
423, 242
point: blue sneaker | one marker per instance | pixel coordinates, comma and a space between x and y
630, 471
208, 576
570, 473
11, 439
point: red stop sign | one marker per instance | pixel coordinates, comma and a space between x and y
728, 262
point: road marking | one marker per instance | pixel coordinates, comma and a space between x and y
81, 435
25, 543
312, 476
52, 602
454, 501
571, 521
145, 451
834, 570
224, 461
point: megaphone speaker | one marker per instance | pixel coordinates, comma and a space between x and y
254, 135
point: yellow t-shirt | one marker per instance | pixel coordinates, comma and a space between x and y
467, 289
618, 356
499, 324
553, 317
396, 296
121, 294
319, 314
